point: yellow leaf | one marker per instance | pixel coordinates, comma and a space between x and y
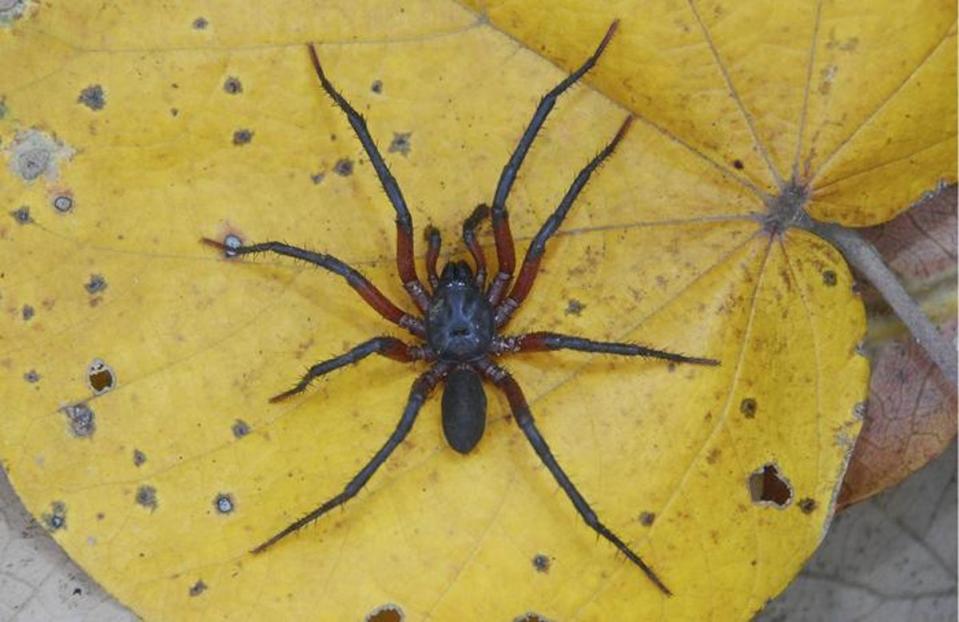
131, 131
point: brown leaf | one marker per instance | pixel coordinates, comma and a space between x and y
911, 416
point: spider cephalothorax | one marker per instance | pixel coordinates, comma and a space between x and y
461, 315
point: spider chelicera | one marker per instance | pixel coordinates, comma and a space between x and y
461, 315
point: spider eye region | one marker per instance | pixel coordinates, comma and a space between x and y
459, 322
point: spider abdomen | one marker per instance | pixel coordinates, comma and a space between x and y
464, 409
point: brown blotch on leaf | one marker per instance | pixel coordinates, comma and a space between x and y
147, 497
748, 407
646, 519
829, 278
808, 505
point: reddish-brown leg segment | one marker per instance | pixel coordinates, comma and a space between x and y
530, 267
354, 279
505, 255
404, 222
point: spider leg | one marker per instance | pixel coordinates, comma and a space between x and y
536, 342
505, 255
385, 346
469, 238
374, 297
433, 241
404, 222
524, 418
504, 241
418, 394
530, 267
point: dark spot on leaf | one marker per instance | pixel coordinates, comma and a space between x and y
139, 457
240, 428
317, 177
77, 591
174, 112
100, 377
200, 23
767, 486
57, 517
343, 167
82, 419
541, 563
646, 519
22, 214
377, 86
386, 613
233, 86
27, 312
147, 497
531, 616
242, 137
738, 165
829, 277
31, 376
92, 97
574, 307
197, 588
63, 203
401, 143
808, 505
224, 503
96, 284
748, 407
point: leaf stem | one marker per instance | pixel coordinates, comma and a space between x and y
866, 259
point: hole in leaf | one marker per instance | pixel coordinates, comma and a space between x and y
100, 377
768, 487
386, 613
224, 503
57, 518
63, 203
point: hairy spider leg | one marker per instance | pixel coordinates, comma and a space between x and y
517, 401
469, 238
404, 222
539, 341
420, 390
384, 346
374, 297
433, 242
530, 267
504, 241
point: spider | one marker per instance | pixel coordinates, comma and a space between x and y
461, 316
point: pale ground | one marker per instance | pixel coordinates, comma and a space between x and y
890, 559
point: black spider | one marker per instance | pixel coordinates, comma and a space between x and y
461, 316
